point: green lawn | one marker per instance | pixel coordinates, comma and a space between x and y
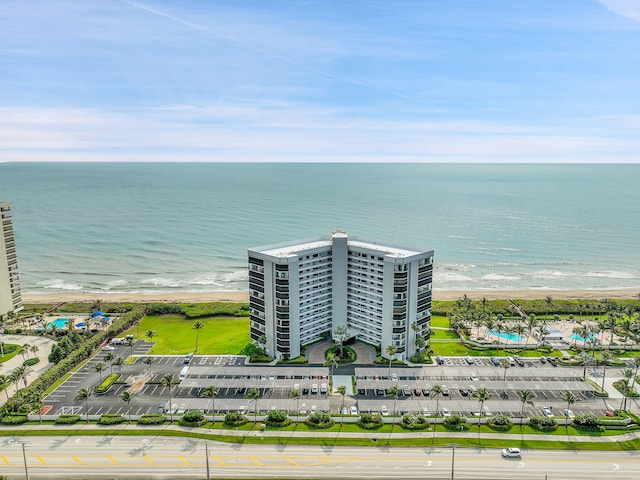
176, 335
9, 356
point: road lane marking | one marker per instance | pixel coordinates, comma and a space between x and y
115, 462
148, 459
219, 460
292, 461
256, 461
77, 459
184, 460
41, 460
4, 459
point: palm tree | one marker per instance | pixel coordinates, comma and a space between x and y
38, 397
636, 363
148, 361
627, 373
169, 381
150, 334
129, 342
211, 391
342, 390
482, 395
570, 398
331, 361
520, 330
83, 395
525, 396
532, 323
109, 357
295, 393
100, 367
4, 383
436, 391
395, 393
586, 361
549, 301
126, 397
34, 350
391, 351
505, 364
26, 348
197, 326
254, 394
607, 356
118, 362
341, 334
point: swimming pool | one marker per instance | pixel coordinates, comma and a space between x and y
58, 322
575, 336
506, 336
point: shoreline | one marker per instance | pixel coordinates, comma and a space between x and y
243, 296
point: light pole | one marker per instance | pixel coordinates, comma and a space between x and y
24, 457
206, 452
453, 460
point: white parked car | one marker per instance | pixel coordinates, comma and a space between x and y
354, 410
108, 348
547, 412
569, 413
511, 453
384, 411
446, 412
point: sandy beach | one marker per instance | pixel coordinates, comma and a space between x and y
243, 296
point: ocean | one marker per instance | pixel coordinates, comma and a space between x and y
140, 227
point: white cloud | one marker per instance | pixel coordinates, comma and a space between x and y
625, 8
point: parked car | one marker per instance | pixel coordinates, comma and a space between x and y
474, 377
519, 360
470, 360
495, 361
547, 412
345, 411
384, 411
406, 390
446, 412
440, 360
353, 410
323, 388
445, 390
511, 453
568, 413
314, 388
417, 392
108, 348
394, 377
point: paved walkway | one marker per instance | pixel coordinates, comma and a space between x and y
83, 429
44, 349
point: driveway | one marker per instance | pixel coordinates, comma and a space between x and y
365, 355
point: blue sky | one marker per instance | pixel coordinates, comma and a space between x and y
326, 80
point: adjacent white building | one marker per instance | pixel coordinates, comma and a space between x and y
10, 297
300, 291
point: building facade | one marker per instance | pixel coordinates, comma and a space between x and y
300, 292
10, 297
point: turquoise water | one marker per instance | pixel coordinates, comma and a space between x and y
58, 322
186, 227
575, 336
506, 336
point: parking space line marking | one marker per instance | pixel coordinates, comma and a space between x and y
184, 460
292, 461
148, 459
219, 460
256, 461
115, 462
77, 459
41, 460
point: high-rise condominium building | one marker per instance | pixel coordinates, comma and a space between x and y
10, 298
300, 292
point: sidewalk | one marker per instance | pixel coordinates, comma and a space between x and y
44, 349
81, 427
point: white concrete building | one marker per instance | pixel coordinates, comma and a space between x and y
301, 291
10, 297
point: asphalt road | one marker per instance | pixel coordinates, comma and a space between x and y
165, 457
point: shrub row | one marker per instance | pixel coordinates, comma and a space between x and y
14, 419
107, 383
199, 310
152, 419
67, 419
543, 424
111, 419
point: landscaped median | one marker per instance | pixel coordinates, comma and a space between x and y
107, 383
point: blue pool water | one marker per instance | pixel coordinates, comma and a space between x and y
58, 322
508, 336
575, 336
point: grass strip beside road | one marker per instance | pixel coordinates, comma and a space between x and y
255, 436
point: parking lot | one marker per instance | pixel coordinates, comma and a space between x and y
459, 377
